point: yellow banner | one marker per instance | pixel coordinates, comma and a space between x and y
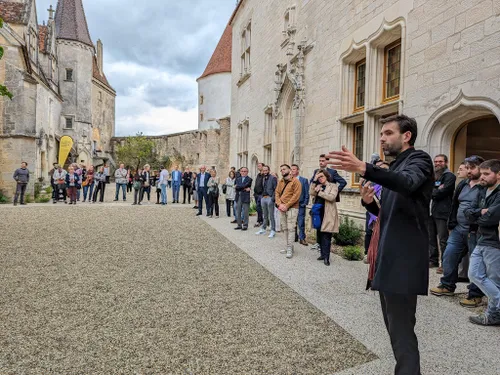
65, 145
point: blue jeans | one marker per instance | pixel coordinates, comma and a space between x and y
86, 191
202, 194
301, 222
163, 194
124, 188
456, 248
484, 271
176, 189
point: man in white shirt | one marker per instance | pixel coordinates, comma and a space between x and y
121, 179
163, 183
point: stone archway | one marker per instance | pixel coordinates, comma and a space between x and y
285, 139
440, 133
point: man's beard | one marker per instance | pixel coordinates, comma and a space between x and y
393, 150
438, 172
285, 175
474, 177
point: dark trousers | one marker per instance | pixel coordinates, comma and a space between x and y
368, 233
136, 195
145, 190
202, 194
325, 243
72, 193
258, 199
213, 204
399, 317
129, 187
186, 193
20, 191
229, 207
158, 194
101, 186
438, 229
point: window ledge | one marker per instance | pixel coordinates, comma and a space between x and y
243, 79
353, 119
385, 108
68, 129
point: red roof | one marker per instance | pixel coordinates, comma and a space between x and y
42, 37
97, 75
12, 12
221, 58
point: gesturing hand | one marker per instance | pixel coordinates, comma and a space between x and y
484, 211
345, 160
318, 188
367, 193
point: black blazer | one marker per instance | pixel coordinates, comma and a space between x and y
240, 187
198, 177
402, 265
442, 197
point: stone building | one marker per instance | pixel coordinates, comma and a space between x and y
309, 76
59, 87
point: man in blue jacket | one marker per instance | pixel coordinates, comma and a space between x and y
304, 201
176, 184
202, 189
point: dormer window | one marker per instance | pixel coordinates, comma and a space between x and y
69, 74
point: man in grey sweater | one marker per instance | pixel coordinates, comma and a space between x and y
22, 177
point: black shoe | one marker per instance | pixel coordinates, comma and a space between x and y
115, 200
15, 203
234, 222
321, 258
463, 280
134, 204
327, 262
244, 228
238, 228
433, 265
199, 214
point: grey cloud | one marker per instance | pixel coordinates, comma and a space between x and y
159, 94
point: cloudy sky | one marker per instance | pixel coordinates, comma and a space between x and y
153, 55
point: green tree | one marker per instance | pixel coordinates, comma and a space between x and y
137, 151
4, 91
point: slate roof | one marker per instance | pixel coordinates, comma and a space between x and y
12, 12
71, 22
43, 31
97, 75
221, 58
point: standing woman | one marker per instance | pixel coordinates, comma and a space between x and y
230, 193
146, 183
72, 184
88, 184
213, 194
324, 212
100, 179
194, 188
137, 186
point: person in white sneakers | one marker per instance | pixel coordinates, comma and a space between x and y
287, 199
269, 184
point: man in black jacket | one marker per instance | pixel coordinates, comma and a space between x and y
484, 268
402, 265
243, 187
440, 208
257, 193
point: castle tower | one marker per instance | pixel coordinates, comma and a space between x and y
76, 53
214, 85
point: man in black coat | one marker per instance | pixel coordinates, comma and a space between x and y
257, 193
242, 186
442, 195
402, 265
202, 189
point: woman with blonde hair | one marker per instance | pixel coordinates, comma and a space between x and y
324, 212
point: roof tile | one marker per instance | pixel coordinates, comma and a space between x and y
71, 22
12, 12
221, 58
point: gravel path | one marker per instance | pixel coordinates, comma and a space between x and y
116, 289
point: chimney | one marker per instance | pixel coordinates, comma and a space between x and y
99, 56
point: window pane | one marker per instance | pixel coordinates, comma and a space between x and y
358, 145
393, 71
69, 122
360, 85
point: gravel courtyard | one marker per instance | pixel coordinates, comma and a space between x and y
117, 289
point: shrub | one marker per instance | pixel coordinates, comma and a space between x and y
28, 198
48, 190
349, 233
253, 208
38, 189
42, 199
3, 198
353, 253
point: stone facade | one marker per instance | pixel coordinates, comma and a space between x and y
321, 74
50, 70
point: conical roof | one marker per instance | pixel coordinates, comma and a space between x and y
221, 58
71, 23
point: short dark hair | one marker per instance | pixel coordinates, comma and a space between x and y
23, 162
442, 156
406, 124
324, 172
284, 165
474, 160
295, 165
323, 156
243, 168
492, 164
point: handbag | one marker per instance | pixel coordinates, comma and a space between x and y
137, 185
224, 189
316, 215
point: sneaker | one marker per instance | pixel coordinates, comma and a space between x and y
272, 234
289, 253
315, 246
440, 290
471, 302
484, 320
439, 270
262, 231
283, 251
365, 260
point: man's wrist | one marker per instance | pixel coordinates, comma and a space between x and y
362, 168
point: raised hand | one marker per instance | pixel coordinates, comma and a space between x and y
345, 160
367, 193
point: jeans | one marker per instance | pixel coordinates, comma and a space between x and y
288, 225
301, 222
457, 247
163, 194
176, 188
484, 271
438, 229
213, 203
202, 194
124, 188
86, 190
267, 204
258, 199
20, 190
242, 211
325, 243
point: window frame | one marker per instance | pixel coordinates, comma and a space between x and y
356, 67
72, 119
66, 75
355, 126
385, 98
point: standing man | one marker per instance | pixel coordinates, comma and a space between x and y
106, 172
257, 193
22, 177
288, 194
202, 189
52, 184
59, 177
121, 179
335, 178
243, 186
163, 184
402, 266
187, 178
303, 202
484, 268
176, 183
269, 184
442, 195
